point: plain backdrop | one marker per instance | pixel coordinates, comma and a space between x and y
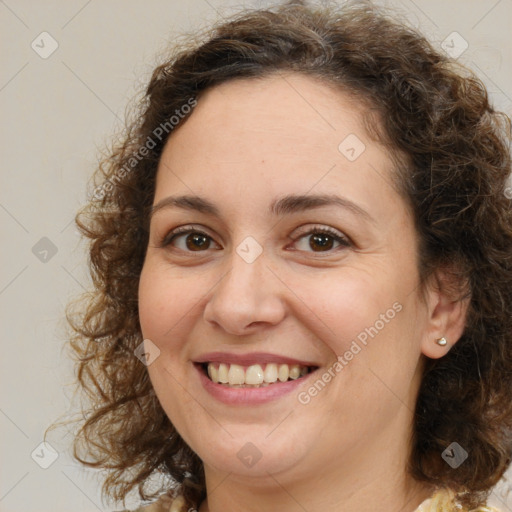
58, 110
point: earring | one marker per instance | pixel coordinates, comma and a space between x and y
441, 341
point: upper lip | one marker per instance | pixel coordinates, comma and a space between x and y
250, 359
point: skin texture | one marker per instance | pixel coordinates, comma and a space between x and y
247, 143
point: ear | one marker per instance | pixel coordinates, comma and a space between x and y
446, 312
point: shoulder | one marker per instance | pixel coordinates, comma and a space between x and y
164, 504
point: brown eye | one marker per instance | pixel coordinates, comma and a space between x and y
197, 241
325, 242
321, 239
194, 240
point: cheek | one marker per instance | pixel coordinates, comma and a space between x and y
166, 309
165, 300
341, 306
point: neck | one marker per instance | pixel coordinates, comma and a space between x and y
229, 496
372, 477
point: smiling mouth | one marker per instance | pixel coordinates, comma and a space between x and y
254, 376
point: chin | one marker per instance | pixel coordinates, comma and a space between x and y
255, 452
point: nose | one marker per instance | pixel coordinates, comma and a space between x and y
248, 297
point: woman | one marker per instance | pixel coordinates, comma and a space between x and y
302, 260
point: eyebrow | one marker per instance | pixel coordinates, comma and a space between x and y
289, 204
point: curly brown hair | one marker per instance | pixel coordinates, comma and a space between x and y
453, 161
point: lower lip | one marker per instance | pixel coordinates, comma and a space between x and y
249, 396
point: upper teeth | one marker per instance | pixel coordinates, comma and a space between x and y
256, 374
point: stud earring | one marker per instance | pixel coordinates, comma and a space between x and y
441, 341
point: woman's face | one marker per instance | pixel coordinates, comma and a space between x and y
297, 249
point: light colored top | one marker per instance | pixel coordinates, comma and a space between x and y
440, 501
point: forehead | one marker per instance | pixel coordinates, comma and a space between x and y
289, 106
269, 134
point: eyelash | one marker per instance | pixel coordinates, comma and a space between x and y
344, 241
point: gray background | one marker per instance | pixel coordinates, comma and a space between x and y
57, 113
